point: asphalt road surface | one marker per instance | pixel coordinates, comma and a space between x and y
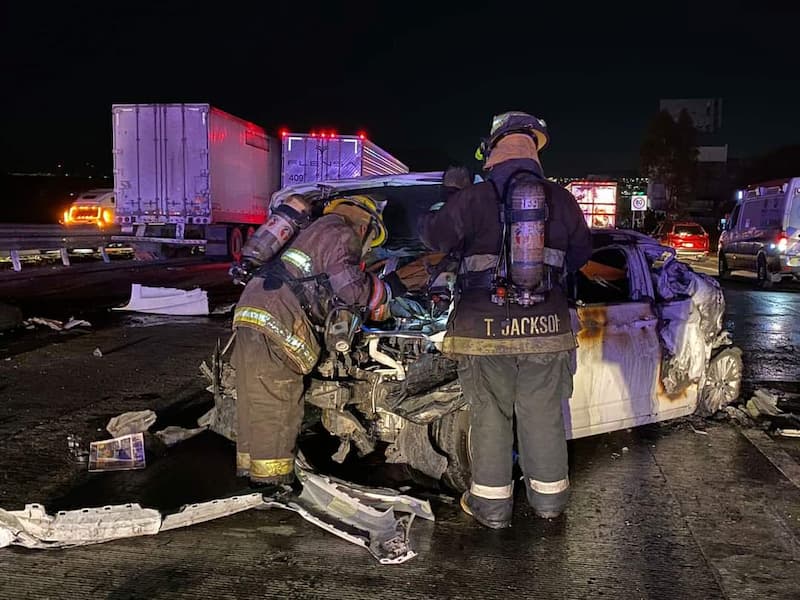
693, 508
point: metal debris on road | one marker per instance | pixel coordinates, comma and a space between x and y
55, 324
362, 515
378, 519
127, 423
97, 353
763, 403
224, 309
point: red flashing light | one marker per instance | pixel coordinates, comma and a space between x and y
284, 133
362, 135
313, 134
324, 134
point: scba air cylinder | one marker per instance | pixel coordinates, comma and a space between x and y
283, 222
528, 213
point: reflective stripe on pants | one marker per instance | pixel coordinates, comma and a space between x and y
530, 387
269, 402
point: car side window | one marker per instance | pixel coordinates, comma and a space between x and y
604, 279
734, 217
751, 214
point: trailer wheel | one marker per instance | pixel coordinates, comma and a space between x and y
235, 243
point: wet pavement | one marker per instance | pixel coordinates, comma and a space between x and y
660, 511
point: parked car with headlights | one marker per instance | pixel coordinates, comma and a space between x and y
92, 207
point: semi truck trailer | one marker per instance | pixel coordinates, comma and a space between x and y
193, 178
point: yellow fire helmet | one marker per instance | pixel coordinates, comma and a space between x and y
368, 205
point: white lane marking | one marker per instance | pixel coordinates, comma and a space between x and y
779, 458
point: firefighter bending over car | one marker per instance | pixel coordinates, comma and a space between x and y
302, 270
516, 235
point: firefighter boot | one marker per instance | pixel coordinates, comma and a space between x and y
495, 514
548, 500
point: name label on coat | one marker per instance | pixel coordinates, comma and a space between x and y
523, 326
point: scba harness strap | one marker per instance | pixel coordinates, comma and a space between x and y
275, 274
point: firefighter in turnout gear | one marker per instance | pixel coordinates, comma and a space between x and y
278, 318
517, 236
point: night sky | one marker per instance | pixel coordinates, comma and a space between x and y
422, 81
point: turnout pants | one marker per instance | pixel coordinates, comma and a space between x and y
531, 388
269, 404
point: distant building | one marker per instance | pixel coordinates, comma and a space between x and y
706, 113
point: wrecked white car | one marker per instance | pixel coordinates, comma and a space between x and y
651, 346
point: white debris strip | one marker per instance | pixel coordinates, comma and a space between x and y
55, 324
167, 301
377, 519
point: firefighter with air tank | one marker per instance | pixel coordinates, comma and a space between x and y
301, 272
517, 236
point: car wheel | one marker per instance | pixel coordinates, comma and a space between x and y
451, 434
762, 274
722, 267
723, 381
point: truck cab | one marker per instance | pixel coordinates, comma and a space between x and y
92, 207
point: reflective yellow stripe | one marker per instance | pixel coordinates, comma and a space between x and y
549, 487
454, 344
300, 351
271, 467
299, 259
242, 460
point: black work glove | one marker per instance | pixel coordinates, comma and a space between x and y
395, 284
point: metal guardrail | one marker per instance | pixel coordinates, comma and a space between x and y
19, 240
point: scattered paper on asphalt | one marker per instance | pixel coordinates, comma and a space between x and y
167, 301
173, 434
131, 422
117, 454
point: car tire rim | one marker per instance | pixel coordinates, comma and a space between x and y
723, 381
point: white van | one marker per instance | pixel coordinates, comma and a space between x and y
93, 207
763, 233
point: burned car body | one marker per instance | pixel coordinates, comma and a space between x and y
651, 346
